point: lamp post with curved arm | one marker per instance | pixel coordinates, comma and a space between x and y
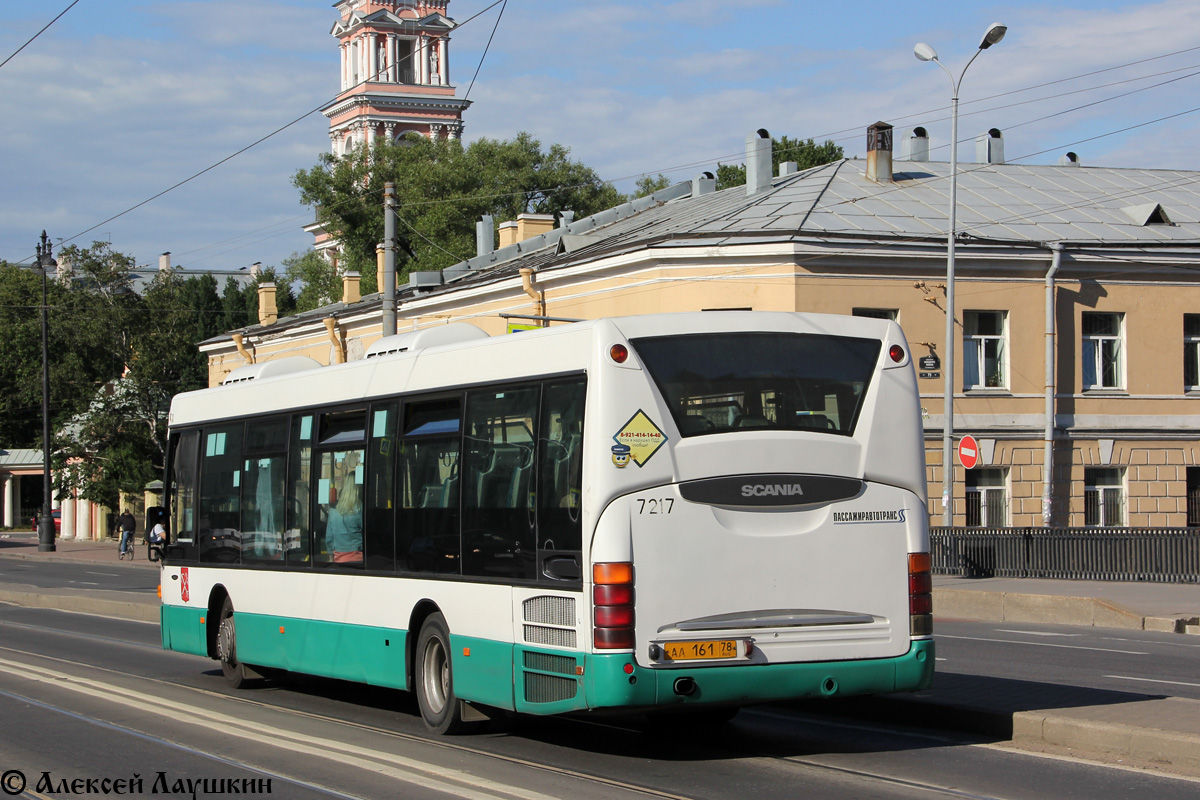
924, 52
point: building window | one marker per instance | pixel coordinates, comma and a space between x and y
1103, 498
1102, 351
1193, 497
877, 313
984, 350
1191, 352
987, 498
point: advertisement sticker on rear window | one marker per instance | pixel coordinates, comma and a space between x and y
637, 441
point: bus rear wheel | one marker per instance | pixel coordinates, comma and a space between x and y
434, 678
233, 670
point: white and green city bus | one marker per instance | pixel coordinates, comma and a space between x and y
689, 512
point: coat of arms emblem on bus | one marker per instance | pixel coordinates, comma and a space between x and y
641, 439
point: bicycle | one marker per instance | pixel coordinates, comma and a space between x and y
125, 546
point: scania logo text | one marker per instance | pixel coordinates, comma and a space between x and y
772, 490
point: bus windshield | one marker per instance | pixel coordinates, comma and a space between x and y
722, 382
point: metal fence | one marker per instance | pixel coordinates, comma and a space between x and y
1159, 555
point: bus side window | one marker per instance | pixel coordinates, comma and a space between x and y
380, 511
560, 481
263, 491
220, 528
183, 493
427, 535
297, 545
499, 537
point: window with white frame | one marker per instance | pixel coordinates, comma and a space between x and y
1103, 354
987, 498
984, 352
1103, 497
1191, 352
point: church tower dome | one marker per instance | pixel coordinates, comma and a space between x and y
395, 73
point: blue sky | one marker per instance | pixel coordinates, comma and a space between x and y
120, 100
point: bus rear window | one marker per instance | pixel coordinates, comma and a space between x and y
722, 382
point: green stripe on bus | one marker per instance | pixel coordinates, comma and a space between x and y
540, 681
362, 653
184, 629
609, 686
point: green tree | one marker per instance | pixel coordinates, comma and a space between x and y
806, 154
647, 185
442, 189
88, 337
318, 284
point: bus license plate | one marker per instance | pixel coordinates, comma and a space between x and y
686, 651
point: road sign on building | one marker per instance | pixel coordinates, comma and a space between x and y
968, 452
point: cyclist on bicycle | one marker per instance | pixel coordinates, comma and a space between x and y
128, 525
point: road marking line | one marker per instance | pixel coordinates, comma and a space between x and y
1044, 644
456, 782
1152, 680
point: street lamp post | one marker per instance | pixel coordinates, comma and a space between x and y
924, 52
45, 261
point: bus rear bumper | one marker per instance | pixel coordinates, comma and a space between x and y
608, 684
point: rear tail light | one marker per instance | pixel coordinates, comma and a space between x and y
920, 595
612, 601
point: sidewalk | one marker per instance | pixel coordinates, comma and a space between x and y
1151, 730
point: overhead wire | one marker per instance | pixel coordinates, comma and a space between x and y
36, 35
253, 144
690, 164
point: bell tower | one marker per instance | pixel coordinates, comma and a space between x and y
395, 73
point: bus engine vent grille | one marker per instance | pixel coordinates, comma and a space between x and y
548, 688
547, 610
550, 621
555, 637
548, 662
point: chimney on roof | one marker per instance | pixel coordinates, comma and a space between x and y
879, 153
917, 145
525, 227
1069, 160
350, 289
485, 235
256, 269
758, 162
268, 312
788, 168
704, 183
565, 217
989, 147
164, 262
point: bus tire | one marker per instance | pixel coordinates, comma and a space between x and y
434, 679
233, 670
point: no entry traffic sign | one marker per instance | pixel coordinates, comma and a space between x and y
968, 452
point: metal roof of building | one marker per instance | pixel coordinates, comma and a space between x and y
1003, 203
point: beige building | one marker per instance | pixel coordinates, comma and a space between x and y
1112, 254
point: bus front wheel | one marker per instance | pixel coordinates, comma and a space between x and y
434, 678
234, 670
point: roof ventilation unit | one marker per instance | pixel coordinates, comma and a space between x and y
1148, 214
1069, 160
270, 369
917, 145
989, 147
407, 342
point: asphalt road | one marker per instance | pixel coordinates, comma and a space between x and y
1138, 662
86, 697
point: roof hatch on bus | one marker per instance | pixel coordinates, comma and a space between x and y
269, 369
451, 333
